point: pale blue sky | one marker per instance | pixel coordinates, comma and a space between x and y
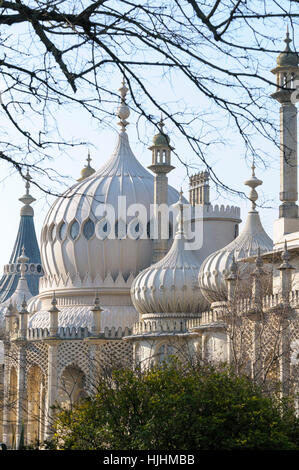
227, 159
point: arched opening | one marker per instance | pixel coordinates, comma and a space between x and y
11, 405
71, 386
35, 405
164, 353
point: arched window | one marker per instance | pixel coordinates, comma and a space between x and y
71, 386
62, 231
102, 229
164, 353
52, 233
74, 231
35, 404
135, 229
88, 229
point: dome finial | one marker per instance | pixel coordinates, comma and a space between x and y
27, 199
87, 170
253, 182
23, 259
287, 40
287, 58
161, 123
123, 111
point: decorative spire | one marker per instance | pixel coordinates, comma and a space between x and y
27, 199
23, 259
161, 123
24, 306
88, 159
123, 111
53, 316
285, 256
233, 269
87, 170
287, 57
96, 314
161, 139
180, 218
53, 303
258, 263
287, 40
253, 182
97, 304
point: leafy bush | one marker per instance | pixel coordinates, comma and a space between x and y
174, 407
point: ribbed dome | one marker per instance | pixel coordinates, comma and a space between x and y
70, 244
170, 286
253, 238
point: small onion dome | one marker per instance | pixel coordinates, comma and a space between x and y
252, 240
287, 57
170, 286
87, 170
161, 139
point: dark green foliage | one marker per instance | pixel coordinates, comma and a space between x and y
178, 408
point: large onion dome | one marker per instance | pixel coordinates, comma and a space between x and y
76, 239
170, 286
252, 239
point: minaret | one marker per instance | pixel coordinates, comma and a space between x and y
161, 165
87, 170
25, 240
287, 72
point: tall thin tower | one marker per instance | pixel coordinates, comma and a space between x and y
161, 166
287, 72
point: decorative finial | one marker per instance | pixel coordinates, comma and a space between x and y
258, 263
285, 256
87, 170
233, 269
54, 308
180, 217
27, 199
253, 182
24, 307
54, 300
23, 259
287, 40
97, 304
28, 179
10, 309
161, 123
123, 111
88, 159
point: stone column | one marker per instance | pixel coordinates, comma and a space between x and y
7, 438
52, 385
21, 391
288, 161
286, 271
